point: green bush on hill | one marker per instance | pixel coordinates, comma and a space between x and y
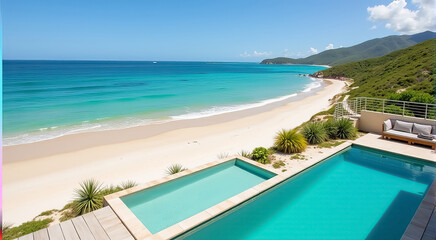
411, 68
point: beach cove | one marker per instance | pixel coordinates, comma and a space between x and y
63, 162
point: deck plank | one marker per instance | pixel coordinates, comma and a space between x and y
41, 235
69, 230
26, 237
95, 227
55, 232
112, 224
82, 228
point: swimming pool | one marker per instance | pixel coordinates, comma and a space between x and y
166, 204
359, 193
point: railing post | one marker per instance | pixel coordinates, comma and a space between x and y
366, 99
404, 107
383, 106
426, 107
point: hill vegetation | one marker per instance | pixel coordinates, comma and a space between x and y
411, 69
369, 49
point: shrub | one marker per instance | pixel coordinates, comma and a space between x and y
346, 130
246, 154
175, 168
290, 141
222, 155
278, 164
88, 197
25, 228
314, 133
260, 154
128, 184
330, 129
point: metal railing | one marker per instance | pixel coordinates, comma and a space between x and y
353, 108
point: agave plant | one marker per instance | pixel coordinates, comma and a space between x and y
314, 133
331, 129
88, 197
175, 168
128, 184
345, 129
290, 141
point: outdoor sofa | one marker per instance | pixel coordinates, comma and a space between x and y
409, 131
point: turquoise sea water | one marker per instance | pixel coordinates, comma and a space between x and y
359, 194
47, 99
167, 204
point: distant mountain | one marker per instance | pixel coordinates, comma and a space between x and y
369, 49
412, 68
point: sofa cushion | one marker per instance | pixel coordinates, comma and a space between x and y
387, 125
421, 129
403, 126
406, 135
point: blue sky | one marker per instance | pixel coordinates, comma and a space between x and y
225, 30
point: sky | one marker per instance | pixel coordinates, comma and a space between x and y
198, 30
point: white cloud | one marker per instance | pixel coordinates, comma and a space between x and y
313, 50
255, 54
330, 46
373, 27
403, 20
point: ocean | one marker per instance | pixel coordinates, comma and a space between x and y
47, 99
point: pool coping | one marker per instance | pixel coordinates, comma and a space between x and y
139, 231
421, 218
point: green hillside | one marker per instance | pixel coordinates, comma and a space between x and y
412, 68
369, 49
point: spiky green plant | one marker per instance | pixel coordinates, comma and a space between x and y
88, 197
314, 133
175, 168
331, 129
290, 141
345, 129
246, 154
128, 184
260, 154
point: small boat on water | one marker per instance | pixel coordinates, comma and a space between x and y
154, 62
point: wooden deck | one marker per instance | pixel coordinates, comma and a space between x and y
102, 224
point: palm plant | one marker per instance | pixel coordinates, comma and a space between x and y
88, 197
175, 168
314, 133
290, 141
331, 129
345, 129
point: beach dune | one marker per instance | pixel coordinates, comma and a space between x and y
42, 176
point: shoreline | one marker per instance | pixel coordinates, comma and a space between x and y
45, 148
36, 184
123, 122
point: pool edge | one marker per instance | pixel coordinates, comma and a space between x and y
139, 231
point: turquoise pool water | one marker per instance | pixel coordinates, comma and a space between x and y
360, 193
169, 203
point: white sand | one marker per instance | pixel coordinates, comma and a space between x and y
33, 185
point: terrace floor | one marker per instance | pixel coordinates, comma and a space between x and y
396, 146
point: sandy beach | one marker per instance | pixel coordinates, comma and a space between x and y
42, 176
